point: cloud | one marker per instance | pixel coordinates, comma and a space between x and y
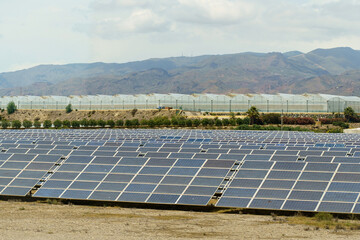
213, 11
142, 21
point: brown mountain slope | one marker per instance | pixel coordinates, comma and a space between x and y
333, 71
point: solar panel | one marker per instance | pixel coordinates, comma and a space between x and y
295, 171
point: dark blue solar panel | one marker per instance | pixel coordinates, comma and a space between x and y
233, 202
335, 207
162, 198
194, 200
300, 205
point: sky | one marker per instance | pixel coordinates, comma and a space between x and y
82, 31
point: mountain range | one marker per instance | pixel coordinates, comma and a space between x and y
330, 71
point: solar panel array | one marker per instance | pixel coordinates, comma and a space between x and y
296, 171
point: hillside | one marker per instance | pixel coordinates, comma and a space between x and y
333, 71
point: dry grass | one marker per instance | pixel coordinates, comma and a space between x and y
335, 224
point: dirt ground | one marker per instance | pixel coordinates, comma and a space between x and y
34, 220
52, 115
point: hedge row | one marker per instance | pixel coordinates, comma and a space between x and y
270, 128
331, 120
155, 122
175, 122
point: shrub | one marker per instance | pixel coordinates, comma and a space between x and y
75, 124
47, 124
151, 123
205, 122
58, 123
93, 123
119, 123
11, 107
84, 122
331, 120
189, 122
218, 122
143, 122
196, 122
68, 108
335, 130
182, 122
66, 123
211, 122
253, 114
246, 120
16, 124
341, 124
323, 216
133, 112
271, 118
232, 121
111, 123
350, 115
37, 124
128, 123
225, 122
27, 124
298, 120
174, 121
243, 127
135, 122
5, 124
159, 121
167, 122
101, 123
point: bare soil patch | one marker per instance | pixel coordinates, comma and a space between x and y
34, 220
42, 115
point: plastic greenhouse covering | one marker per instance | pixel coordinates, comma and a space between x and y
305, 103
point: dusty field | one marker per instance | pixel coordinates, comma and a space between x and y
24, 220
52, 115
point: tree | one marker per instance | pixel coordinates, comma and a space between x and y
84, 122
5, 123
135, 122
225, 122
119, 123
205, 122
239, 121
144, 122
58, 123
174, 121
196, 122
128, 123
133, 112
189, 122
350, 114
218, 122
253, 114
47, 124
111, 123
68, 108
16, 124
27, 124
37, 124
151, 123
66, 123
75, 124
101, 123
93, 123
11, 107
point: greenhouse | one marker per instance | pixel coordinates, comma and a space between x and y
287, 103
